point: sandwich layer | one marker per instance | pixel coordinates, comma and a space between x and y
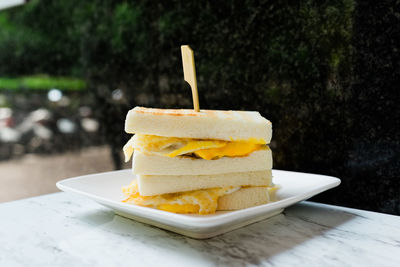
207, 124
203, 201
247, 197
151, 164
199, 201
198, 148
150, 185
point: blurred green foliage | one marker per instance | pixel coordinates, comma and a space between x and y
42, 82
38, 37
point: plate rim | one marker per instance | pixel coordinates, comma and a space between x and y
201, 221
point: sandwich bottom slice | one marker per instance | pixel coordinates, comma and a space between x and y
204, 201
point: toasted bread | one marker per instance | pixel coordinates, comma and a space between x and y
207, 124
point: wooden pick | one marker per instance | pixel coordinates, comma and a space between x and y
189, 74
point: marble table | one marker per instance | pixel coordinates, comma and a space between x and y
62, 229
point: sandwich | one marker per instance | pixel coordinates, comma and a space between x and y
198, 162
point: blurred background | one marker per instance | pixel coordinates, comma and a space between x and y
326, 73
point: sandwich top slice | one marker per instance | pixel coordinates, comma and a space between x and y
208, 134
225, 125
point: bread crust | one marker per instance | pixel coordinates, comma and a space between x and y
245, 198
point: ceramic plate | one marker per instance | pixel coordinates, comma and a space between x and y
105, 188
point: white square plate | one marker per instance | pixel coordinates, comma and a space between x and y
105, 188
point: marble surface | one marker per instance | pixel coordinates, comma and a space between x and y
66, 230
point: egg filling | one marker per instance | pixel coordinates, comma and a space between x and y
197, 148
198, 201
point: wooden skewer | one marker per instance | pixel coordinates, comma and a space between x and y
189, 74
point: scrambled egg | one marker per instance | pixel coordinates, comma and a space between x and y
205, 149
199, 201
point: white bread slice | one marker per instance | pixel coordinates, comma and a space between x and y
152, 164
246, 197
206, 124
150, 185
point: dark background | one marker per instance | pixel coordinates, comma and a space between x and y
326, 73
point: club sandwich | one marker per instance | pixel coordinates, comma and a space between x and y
198, 162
